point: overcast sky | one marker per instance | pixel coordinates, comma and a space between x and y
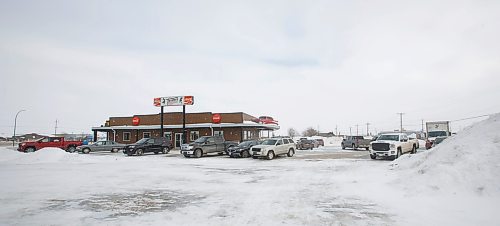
305, 63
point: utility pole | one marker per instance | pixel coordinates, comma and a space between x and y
357, 130
350, 130
367, 129
55, 129
401, 121
422, 125
336, 134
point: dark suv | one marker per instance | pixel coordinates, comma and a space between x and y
144, 145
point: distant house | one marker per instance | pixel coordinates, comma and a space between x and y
3, 139
74, 137
329, 134
28, 137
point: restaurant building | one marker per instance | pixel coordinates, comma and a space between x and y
237, 126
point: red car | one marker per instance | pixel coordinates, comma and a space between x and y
55, 142
266, 120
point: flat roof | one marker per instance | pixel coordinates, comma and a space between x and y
188, 126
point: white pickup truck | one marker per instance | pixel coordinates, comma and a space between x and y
392, 145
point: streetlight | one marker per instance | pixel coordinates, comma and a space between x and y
15, 125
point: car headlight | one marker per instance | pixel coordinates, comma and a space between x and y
393, 146
131, 146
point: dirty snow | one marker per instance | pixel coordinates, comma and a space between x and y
453, 184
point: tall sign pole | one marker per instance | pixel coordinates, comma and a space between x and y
161, 121
174, 101
184, 131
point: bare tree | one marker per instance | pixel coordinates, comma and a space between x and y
292, 132
309, 132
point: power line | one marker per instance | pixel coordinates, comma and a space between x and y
480, 116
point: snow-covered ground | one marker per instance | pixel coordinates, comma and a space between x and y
455, 183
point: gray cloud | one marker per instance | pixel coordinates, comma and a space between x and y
322, 63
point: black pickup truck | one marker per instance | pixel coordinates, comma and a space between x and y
205, 145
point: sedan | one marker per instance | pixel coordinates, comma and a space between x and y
106, 145
242, 150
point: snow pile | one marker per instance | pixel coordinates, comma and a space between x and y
44, 155
467, 162
9, 155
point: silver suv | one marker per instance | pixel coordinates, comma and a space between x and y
272, 147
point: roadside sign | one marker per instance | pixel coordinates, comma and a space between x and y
173, 101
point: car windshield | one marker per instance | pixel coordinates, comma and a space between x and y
269, 142
437, 134
142, 141
201, 140
245, 144
389, 137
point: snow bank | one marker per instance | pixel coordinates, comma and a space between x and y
467, 162
44, 155
9, 154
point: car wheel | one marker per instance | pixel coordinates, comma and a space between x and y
186, 155
367, 149
165, 150
373, 156
156, 152
398, 154
198, 153
30, 149
129, 153
139, 152
414, 150
270, 155
245, 154
255, 157
71, 149
86, 150
290, 153
343, 146
354, 147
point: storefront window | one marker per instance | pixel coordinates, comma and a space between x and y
194, 135
168, 135
126, 136
218, 133
146, 135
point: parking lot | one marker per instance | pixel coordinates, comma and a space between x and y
214, 190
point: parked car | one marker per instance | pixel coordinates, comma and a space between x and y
242, 149
355, 142
272, 147
205, 145
106, 145
54, 142
305, 144
156, 145
321, 142
392, 145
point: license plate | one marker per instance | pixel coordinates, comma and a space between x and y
188, 152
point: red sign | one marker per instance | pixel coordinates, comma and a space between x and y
136, 120
216, 118
157, 102
188, 100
